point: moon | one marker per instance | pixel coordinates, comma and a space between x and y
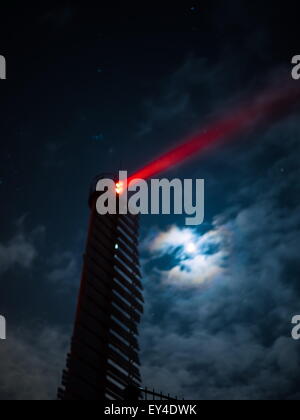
191, 248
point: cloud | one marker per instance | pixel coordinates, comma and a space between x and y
220, 366
32, 357
64, 269
19, 251
31, 363
197, 259
232, 338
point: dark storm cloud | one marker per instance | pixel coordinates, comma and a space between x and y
235, 57
226, 335
231, 338
31, 363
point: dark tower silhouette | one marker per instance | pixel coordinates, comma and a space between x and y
104, 362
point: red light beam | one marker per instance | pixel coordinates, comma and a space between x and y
270, 105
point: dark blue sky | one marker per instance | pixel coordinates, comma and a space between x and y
90, 89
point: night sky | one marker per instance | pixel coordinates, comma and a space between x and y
91, 89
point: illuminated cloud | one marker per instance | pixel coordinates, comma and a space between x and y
195, 271
197, 258
171, 239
